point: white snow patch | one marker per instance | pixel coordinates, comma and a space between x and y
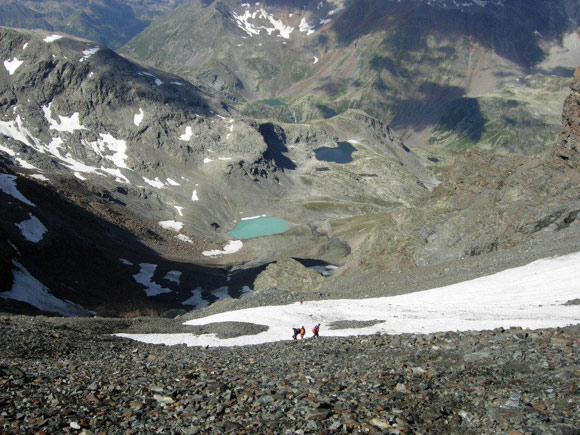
16, 130
252, 217
39, 177
172, 182
52, 38
26, 288
79, 176
8, 186
158, 82
119, 177
79, 167
7, 150
12, 65
145, 277
530, 296
138, 118
224, 158
125, 262
232, 247
221, 293
32, 229
196, 299
155, 183
88, 53
67, 123
14, 247
207, 160
173, 276
25, 164
187, 135
171, 225
184, 238
325, 21
177, 83
315, 60
179, 210
194, 196
305, 27
25, 46
118, 146
324, 270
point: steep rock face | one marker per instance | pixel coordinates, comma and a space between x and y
288, 275
569, 149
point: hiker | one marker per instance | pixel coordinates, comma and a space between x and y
296, 332
316, 330
302, 332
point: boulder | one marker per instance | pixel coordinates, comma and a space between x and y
290, 275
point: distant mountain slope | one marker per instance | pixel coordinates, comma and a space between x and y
487, 203
110, 22
404, 62
145, 174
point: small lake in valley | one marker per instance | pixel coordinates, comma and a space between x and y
341, 154
259, 226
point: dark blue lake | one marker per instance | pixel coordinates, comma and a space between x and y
341, 154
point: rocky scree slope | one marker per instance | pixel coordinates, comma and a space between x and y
71, 374
406, 63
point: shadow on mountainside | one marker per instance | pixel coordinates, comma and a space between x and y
431, 100
275, 138
510, 30
79, 258
463, 116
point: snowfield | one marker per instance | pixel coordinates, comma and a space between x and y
32, 229
531, 296
26, 288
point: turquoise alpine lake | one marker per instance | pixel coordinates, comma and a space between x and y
273, 102
260, 226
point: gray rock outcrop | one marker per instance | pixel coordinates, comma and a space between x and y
289, 275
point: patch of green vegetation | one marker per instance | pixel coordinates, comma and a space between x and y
327, 207
298, 72
266, 70
353, 225
515, 119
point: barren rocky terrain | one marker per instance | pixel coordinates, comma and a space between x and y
72, 376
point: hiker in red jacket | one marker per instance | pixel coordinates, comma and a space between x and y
302, 332
316, 330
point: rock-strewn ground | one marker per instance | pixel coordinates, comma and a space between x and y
70, 375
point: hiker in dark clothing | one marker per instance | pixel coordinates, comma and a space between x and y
316, 330
296, 332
